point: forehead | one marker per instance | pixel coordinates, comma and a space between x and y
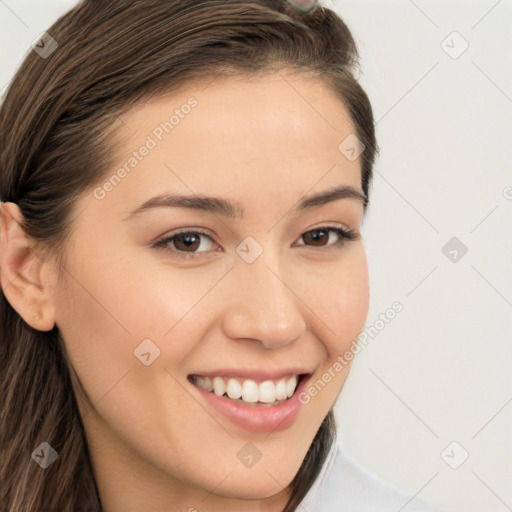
275, 108
272, 138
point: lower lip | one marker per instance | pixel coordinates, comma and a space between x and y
257, 418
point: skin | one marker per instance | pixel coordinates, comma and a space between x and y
265, 143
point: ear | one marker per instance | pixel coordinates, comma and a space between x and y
26, 279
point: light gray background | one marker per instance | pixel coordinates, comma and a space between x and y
440, 371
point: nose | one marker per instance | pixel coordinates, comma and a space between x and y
264, 307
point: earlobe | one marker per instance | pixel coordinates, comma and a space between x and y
23, 272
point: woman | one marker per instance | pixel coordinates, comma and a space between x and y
183, 186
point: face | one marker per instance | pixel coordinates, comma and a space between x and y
255, 291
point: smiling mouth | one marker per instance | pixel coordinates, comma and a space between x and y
269, 392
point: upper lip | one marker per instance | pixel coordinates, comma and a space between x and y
255, 374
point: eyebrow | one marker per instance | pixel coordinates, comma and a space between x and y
234, 210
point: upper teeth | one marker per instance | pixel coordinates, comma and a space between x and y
248, 390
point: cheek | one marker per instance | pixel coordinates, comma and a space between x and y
104, 315
342, 301
343, 308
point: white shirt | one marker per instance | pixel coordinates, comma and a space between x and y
345, 486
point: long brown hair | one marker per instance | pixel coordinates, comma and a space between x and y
55, 121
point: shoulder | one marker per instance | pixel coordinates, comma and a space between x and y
346, 485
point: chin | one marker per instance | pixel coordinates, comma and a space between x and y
250, 489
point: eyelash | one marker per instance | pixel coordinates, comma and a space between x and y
346, 235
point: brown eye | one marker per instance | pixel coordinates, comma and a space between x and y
319, 237
184, 244
185, 241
